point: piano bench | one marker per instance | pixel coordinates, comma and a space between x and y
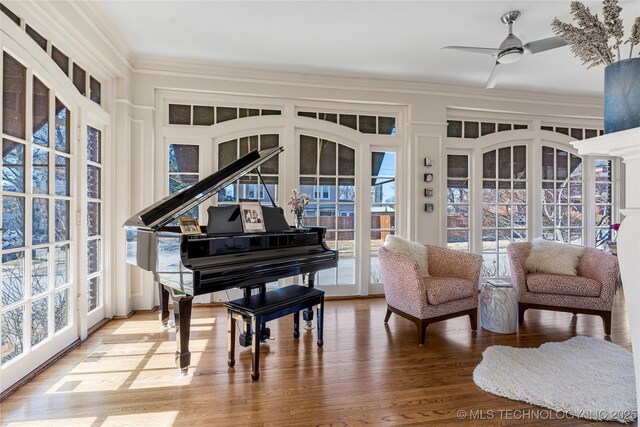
258, 309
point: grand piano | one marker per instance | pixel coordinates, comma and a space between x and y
222, 256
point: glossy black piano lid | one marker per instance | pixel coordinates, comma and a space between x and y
171, 207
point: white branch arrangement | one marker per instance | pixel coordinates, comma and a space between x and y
597, 41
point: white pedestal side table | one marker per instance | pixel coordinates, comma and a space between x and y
499, 307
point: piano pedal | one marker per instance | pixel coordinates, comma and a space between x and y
245, 338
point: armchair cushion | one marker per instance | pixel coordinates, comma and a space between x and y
557, 284
445, 289
553, 257
416, 252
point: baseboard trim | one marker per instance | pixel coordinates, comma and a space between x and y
39, 369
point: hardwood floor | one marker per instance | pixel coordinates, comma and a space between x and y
366, 373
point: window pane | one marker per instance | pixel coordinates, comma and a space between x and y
270, 166
40, 227
576, 168
12, 222
504, 163
62, 265
367, 124
562, 165
80, 79
14, 89
39, 320
327, 157
93, 293
471, 129
347, 160
63, 127
603, 192
40, 113
93, 256
547, 163
603, 170
93, 182
227, 153
62, 175
349, 120
178, 182
457, 166
489, 165
60, 59
95, 90
308, 155
12, 166
179, 114
12, 278
93, 218
519, 162
203, 116
61, 309
13, 332
454, 129
226, 113
39, 271
40, 178
185, 158
94, 145
386, 125
248, 144
62, 220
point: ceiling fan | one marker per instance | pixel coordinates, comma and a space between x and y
511, 49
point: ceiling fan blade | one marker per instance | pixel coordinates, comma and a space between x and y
493, 77
471, 49
544, 44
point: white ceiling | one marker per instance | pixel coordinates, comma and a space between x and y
387, 39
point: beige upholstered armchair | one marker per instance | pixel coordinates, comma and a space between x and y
591, 291
450, 290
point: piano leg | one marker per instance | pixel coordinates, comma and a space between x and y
255, 350
309, 280
320, 310
231, 339
164, 305
182, 313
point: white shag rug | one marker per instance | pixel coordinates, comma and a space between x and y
584, 377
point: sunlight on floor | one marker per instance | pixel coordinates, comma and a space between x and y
67, 422
114, 367
156, 419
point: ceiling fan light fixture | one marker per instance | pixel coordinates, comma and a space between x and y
510, 56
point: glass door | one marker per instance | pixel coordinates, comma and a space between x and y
37, 304
94, 227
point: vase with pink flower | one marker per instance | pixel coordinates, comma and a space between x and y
298, 202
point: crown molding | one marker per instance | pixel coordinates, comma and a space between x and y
104, 27
221, 72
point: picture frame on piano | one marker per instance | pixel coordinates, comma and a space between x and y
189, 225
251, 215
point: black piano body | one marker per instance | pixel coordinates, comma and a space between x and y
187, 265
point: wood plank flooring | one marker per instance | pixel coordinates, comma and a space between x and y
367, 373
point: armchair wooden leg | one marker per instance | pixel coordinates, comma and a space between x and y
387, 316
473, 319
521, 309
606, 319
422, 329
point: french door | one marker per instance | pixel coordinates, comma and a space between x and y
53, 188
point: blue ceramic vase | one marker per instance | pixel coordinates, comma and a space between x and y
622, 95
